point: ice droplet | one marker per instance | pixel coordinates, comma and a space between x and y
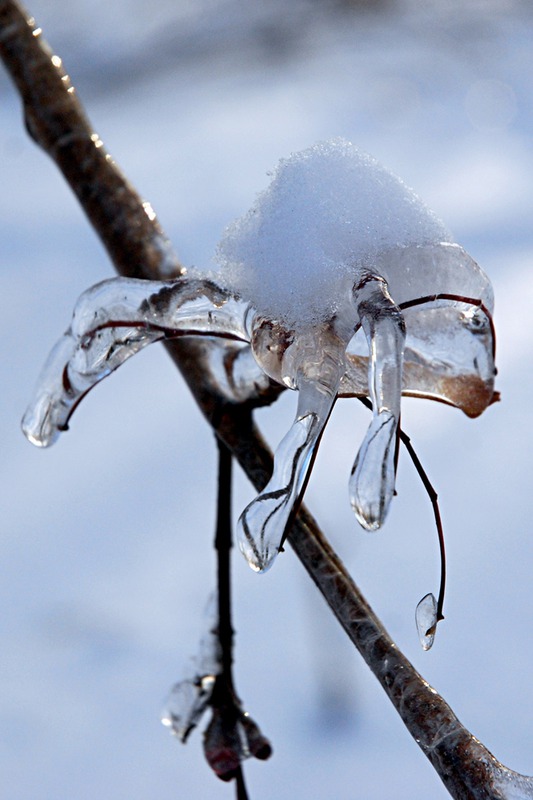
186, 703
263, 522
189, 698
426, 620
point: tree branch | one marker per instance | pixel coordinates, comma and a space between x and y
138, 247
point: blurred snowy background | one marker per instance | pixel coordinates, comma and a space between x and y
106, 554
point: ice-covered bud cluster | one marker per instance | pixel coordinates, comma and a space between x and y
340, 282
337, 244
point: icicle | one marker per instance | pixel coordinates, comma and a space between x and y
262, 523
113, 321
314, 363
373, 474
372, 478
47, 414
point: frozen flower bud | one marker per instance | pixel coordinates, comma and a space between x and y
358, 289
230, 738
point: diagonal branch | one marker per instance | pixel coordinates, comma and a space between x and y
138, 247
56, 120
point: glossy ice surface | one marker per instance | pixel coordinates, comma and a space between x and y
335, 246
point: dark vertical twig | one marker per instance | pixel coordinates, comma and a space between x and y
242, 794
224, 701
223, 550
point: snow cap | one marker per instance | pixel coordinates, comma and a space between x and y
329, 213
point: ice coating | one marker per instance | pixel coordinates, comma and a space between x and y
186, 704
190, 697
446, 302
111, 322
338, 282
328, 215
426, 618
336, 244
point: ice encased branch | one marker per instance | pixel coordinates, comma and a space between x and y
111, 322
231, 735
349, 286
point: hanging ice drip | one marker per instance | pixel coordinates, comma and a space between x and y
339, 282
358, 290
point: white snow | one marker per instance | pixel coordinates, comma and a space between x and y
328, 214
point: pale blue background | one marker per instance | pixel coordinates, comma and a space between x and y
105, 549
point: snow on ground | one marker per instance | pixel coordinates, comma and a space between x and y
105, 554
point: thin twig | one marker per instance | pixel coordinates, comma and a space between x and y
138, 247
232, 735
242, 794
223, 550
434, 500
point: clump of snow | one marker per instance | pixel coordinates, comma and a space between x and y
328, 214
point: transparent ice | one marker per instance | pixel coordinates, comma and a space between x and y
111, 322
190, 697
509, 785
186, 704
339, 282
231, 735
358, 291
231, 738
426, 620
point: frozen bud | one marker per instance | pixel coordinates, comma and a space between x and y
258, 745
355, 288
230, 738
